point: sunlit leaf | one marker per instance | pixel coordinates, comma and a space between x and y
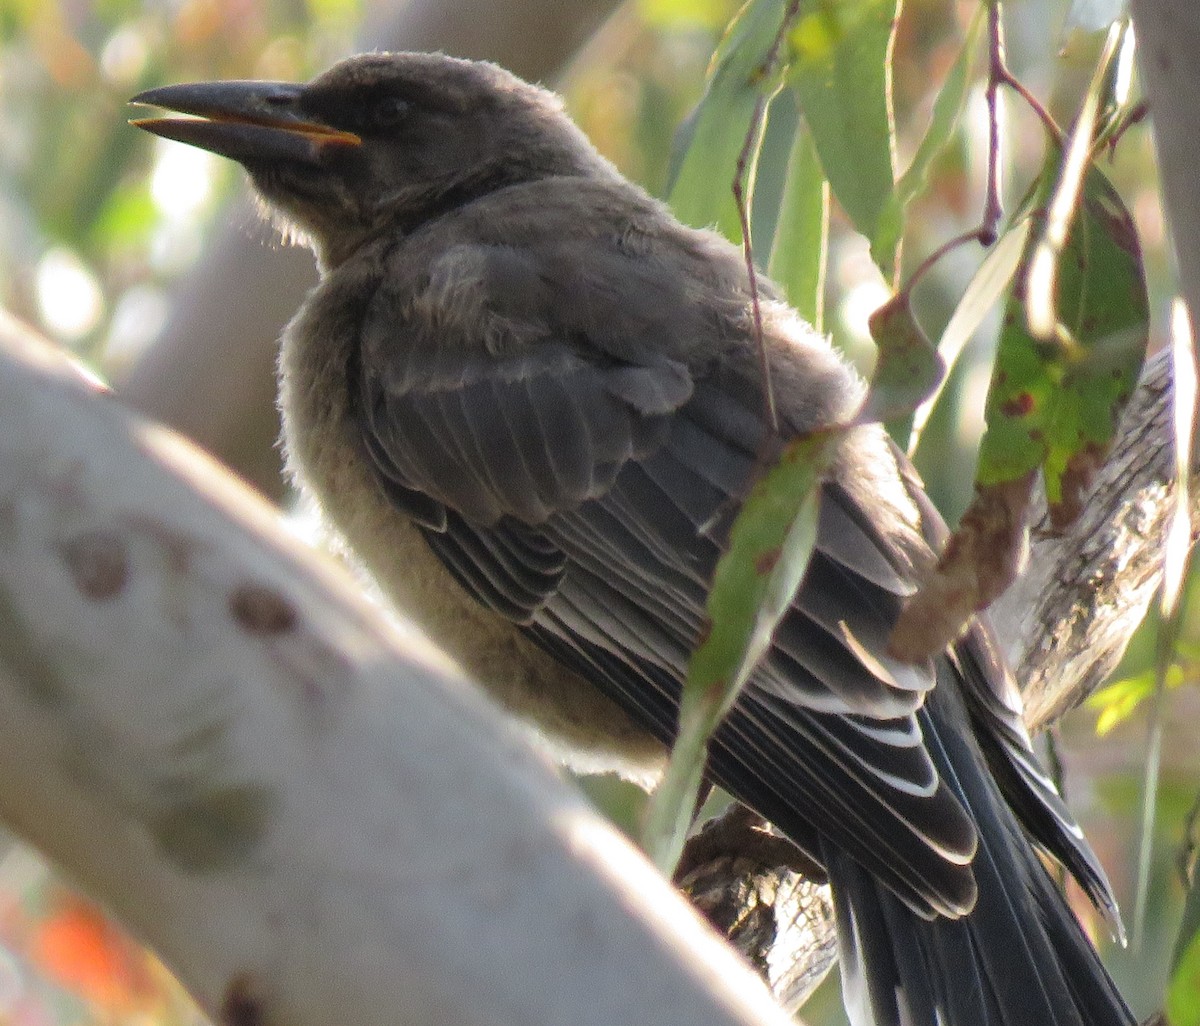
1116, 702
841, 61
1054, 226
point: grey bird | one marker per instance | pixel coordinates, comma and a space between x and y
529, 400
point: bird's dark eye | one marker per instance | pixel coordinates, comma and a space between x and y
388, 111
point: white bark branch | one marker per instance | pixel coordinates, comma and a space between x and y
310, 819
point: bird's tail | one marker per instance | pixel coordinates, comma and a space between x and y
1019, 958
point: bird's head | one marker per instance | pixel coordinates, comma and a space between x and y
380, 142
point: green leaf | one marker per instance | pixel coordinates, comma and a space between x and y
712, 139
907, 369
756, 578
989, 283
1183, 991
798, 257
1055, 407
947, 110
774, 157
841, 70
678, 14
1118, 701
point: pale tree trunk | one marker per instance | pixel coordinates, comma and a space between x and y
311, 819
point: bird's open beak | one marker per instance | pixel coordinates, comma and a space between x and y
245, 121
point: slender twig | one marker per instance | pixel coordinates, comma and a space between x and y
980, 235
988, 230
999, 73
743, 209
742, 193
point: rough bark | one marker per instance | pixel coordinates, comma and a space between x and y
1069, 619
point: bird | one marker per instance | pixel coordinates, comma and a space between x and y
529, 401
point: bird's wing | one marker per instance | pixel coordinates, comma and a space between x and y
587, 496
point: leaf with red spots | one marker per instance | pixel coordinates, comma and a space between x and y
1054, 404
1053, 407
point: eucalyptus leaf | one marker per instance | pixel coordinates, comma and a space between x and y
841, 54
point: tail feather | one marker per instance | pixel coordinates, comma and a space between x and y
1019, 958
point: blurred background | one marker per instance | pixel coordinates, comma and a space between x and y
147, 260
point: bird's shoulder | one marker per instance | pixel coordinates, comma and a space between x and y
594, 261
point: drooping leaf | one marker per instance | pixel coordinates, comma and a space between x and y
980, 560
840, 68
769, 549
771, 170
798, 257
947, 110
710, 142
907, 368
1053, 406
